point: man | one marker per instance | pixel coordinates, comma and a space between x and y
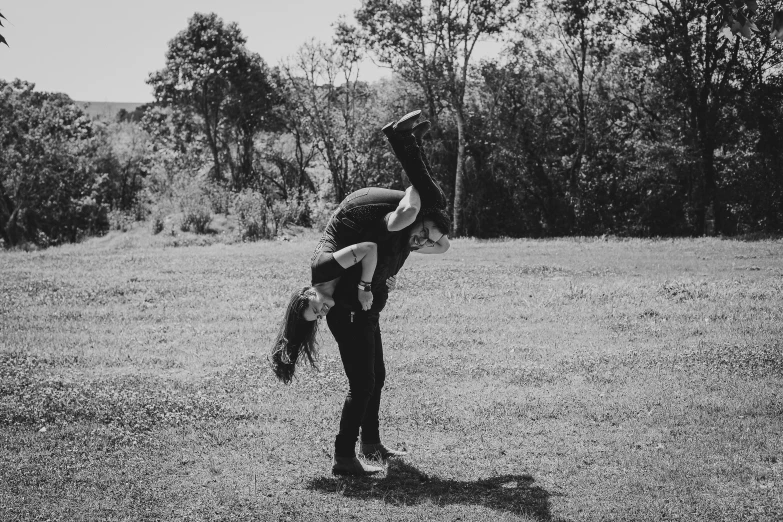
399, 224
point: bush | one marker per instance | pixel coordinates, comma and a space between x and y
251, 211
219, 197
196, 218
157, 223
321, 214
293, 212
119, 220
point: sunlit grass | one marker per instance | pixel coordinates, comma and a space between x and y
541, 380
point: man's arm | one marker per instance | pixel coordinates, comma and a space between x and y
438, 248
406, 211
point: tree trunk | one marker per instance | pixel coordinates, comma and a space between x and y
7, 209
212, 138
710, 188
576, 166
246, 165
459, 180
709, 196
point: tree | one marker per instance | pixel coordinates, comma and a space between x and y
738, 18
327, 105
2, 39
704, 70
50, 190
583, 32
124, 157
210, 73
432, 43
177, 152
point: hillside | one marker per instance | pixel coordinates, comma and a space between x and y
108, 109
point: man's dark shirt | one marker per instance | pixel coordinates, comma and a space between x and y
361, 218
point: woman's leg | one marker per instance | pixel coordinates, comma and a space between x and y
355, 338
410, 155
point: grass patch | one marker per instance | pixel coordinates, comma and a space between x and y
530, 380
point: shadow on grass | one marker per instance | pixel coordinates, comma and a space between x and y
405, 485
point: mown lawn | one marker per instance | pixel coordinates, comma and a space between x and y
530, 380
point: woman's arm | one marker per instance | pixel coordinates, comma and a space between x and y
367, 254
438, 248
406, 211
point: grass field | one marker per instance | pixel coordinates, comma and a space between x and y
530, 380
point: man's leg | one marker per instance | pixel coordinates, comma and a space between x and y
355, 338
371, 438
371, 423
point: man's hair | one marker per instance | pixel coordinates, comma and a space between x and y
439, 217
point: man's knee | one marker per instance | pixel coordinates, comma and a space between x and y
380, 378
362, 389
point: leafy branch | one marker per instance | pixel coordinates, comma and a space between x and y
738, 19
2, 39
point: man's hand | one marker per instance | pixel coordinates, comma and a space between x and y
365, 299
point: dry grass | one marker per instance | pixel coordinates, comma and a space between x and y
532, 380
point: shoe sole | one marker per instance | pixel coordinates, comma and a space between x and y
406, 122
379, 456
342, 473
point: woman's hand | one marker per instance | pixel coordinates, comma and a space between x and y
365, 299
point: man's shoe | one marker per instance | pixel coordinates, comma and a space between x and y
406, 123
353, 466
379, 451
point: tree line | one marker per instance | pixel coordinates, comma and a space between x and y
637, 117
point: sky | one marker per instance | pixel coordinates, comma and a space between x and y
104, 50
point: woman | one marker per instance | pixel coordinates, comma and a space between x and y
298, 331
338, 252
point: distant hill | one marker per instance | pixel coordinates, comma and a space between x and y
107, 110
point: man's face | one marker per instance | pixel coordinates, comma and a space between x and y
424, 234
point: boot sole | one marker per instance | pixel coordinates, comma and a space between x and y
345, 473
406, 122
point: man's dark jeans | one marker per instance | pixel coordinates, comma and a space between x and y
361, 351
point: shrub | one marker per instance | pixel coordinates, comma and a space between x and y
195, 217
285, 212
322, 213
157, 223
219, 197
120, 220
251, 211
300, 213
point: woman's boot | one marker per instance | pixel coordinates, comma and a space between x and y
405, 145
418, 131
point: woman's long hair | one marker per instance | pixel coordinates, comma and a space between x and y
296, 337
